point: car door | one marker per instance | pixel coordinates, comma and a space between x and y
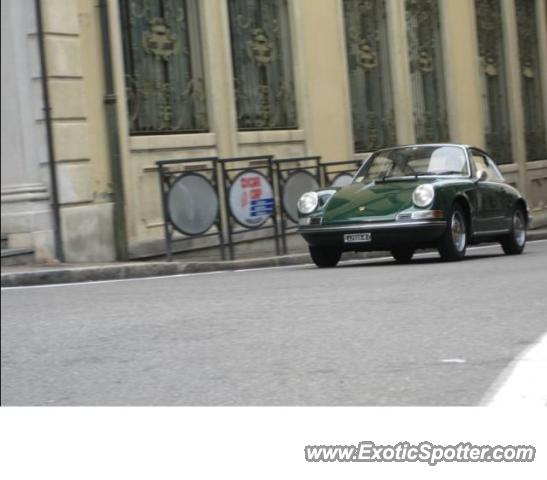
490, 214
506, 197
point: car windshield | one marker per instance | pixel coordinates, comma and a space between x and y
414, 162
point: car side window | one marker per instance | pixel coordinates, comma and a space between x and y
482, 162
479, 162
493, 171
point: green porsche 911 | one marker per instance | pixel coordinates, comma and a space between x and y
441, 196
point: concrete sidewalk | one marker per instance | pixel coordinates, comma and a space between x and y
27, 275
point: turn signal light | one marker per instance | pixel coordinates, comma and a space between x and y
427, 214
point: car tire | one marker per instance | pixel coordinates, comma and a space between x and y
402, 254
514, 242
325, 257
453, 243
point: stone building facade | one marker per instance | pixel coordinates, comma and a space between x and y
130, 82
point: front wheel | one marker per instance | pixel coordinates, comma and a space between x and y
514, 242
402, 254
325, 257
454, 240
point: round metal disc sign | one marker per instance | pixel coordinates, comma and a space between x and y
342, 180
192, 204
296, 185
251, 199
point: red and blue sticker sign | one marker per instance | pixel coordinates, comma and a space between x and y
251, 199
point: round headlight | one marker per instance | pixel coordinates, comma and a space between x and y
423, 195
307, 203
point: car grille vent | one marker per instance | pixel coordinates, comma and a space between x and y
315, 221
404, 216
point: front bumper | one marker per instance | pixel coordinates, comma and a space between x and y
384, 235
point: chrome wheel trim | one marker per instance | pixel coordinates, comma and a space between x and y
457, 228
519, 230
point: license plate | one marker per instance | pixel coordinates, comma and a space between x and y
356, 237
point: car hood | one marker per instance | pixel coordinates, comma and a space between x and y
382, 200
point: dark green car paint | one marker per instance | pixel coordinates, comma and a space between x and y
381, 200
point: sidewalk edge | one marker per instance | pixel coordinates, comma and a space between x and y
160, 269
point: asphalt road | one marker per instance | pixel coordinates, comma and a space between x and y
366, 333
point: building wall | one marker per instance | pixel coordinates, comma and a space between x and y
74, 64
143, 209
26, 214
322, 96
323, 102
74, 67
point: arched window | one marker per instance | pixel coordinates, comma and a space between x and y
163, 66
262, 63
493, 79
426, 70
369, 74
534, 117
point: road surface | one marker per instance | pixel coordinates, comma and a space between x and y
365, 333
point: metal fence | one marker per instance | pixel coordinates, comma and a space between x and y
227, 197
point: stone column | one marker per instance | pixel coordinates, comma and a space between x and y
327, 106
26, 213
75, 85
516, 113
541, 16
400, 74
461, 68
218, 71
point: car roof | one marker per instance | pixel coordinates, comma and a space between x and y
439, 144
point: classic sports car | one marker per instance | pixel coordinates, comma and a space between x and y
442, 196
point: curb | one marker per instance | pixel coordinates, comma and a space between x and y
540, 234
56, 275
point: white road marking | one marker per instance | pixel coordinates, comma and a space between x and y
181, 275
453, 360
524, 382
280, 267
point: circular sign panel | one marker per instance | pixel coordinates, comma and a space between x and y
192, 204
342, 180
251, 199
297, 184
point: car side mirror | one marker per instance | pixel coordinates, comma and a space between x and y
481, 175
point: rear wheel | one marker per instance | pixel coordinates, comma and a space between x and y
325, 257
454, 240
402, 254
514, 242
